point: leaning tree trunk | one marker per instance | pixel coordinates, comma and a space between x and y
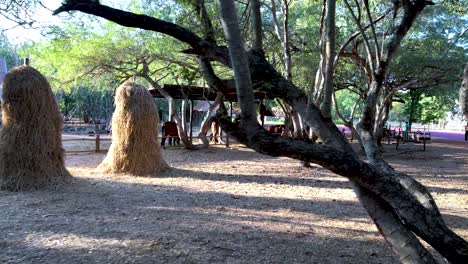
31, 153
297, 125
180, 126
206, 123
403, 242
380, 120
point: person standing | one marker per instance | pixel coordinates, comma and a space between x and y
466, 132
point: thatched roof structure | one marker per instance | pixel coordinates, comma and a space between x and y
202, 93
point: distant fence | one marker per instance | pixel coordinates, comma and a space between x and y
97, 139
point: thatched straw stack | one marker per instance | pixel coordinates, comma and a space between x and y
31, 153
135, 148
464, 93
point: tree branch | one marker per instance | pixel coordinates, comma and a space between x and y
364, 37
358, 33
128, 19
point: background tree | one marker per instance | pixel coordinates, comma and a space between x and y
8, 52
464, 93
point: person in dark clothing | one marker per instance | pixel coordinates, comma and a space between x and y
466, 132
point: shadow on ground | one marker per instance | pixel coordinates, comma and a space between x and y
96, 221
109, 220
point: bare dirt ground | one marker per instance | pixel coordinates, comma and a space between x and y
218, 206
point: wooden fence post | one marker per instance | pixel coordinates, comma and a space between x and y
424, 141
98, 143
227, 140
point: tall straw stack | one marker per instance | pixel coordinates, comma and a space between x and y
135, 148
31, 153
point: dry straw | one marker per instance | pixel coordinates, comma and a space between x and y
31, 153
135, 148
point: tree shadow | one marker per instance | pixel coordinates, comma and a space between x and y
105, 221
213, 154
310, 178
158, 223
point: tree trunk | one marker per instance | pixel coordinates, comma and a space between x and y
414, 207
286, 49
414, 100
328, 87
297, 125
183, 112
381, 119
365, 128
464, 93
239, 63
206, 123
257, 40
207, 26
180, 127
283, 37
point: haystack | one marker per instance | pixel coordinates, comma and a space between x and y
135, 148
31, 153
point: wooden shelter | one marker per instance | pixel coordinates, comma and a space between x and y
192, 93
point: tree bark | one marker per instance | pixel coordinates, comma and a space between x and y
257, 39
239, 63
328, 87
206, 124
207, 26
464, 93
283, 37
286, 49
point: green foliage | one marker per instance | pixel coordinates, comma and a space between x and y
432, 109
433, 54
7, 51
398, 113
338, 122
89, 103
422, 107
346, 100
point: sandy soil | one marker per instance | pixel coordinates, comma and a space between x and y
218, 206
